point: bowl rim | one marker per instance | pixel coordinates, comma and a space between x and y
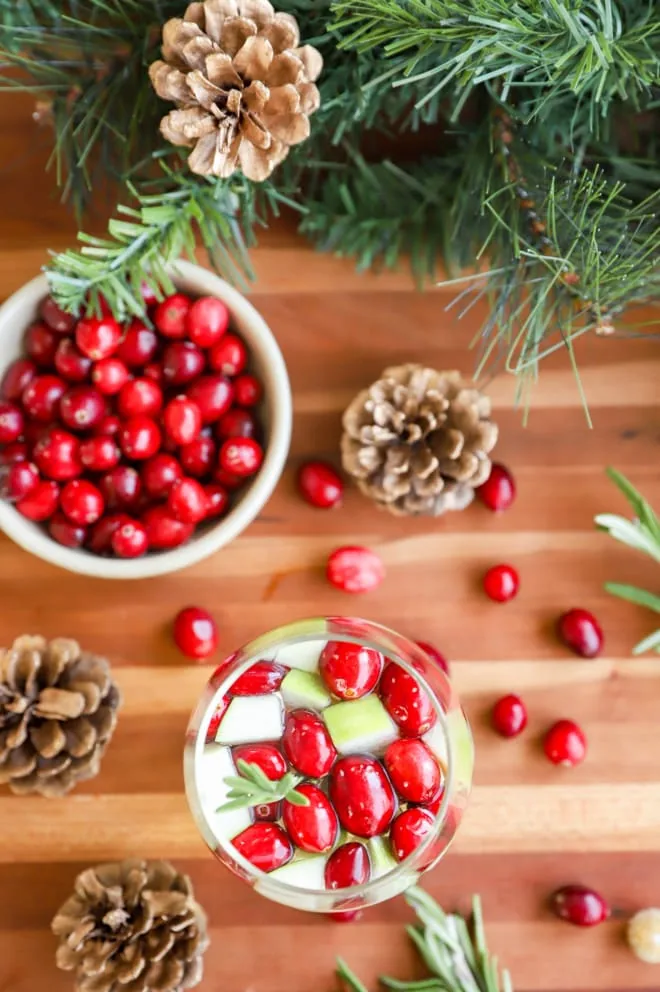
31, 538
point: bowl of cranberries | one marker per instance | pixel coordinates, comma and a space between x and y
134, 449
329, 764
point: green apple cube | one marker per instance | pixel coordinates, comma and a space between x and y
305, 872
360, 725
304, 656
213, 765
304, 690
436, 741
382, 859
250, 719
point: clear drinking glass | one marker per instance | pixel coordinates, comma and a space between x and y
451, 743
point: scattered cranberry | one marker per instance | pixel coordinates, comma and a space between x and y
409, 830
270, 812
208, 320
101, 534
236, 423
82, 408
182, 420
140, 438
16, 379
261, 678
580, 631
198, 457
509, 716
348, 865
41, 503
264, 845
98, 337
350, 670
42, 396
139, 345
70, 362
12, 422
41, 345
565, 743
57, 455
579, 905
170, 315
65, 532
248, 391
499, 490
414, 772
164, 531
434, 655
229, 356
159, 475
140, 397
355, 569
312, 828
130, 540
307, 743
187, 501
82, 502
362, 795
110, 375
195, 632
265, 756
99, 453
217, 500
121, 488
320, 484
501, 583
18, 480
408, 704
58, 320
240, 455
12, 453
182, 362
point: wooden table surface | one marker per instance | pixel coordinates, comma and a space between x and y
531, 827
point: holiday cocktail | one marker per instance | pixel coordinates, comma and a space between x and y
329, 764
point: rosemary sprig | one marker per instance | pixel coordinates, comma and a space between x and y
252, 787
455, 954
642, 534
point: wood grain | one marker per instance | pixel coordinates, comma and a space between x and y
530, 827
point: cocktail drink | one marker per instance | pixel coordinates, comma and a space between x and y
328, 764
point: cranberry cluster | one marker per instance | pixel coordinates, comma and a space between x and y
123, 439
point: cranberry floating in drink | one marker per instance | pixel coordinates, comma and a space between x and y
328, 764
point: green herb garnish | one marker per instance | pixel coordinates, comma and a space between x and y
252, 787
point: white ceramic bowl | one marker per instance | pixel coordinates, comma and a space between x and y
267, 362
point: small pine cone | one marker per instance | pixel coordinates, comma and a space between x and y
417, 441
132, 926
243, 87
58, 710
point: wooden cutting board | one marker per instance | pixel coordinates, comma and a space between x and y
531, 827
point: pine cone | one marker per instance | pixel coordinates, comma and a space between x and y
132, 926
242, 86
58, 710
417, 441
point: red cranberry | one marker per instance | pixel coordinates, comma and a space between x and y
213, 394
350, 670
312, 828
71, 364
121, 488
98, 337
434, 655
320, 485
248, 391
170, 315
261, 678
148, 294
408, 704
41, 503
12, 422
264, 845
99, 454
208, 319
264, 756
347, 865
139, 345
362, 794
110, 425
182, 362
58, 320
217, 500
580, 631
195, 632
100, 539
501, 583
12, 453
227, 479
409, 830
57, 455
307, 743
236, 423
355, 569
565, 743
198, 457
109, 375
509, 716
82, 408
159, 475
18, 481
42, 396
65, 532
140, 438
130, 540
82, 502
182, 420
229, 356
579, 905
499, 490
240, 455
33, 433
187, 501
16, 378
140, 397
414, 772
154, 371
41, 345
163, 530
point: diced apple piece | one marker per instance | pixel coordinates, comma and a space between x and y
304, 690
213, 765
304, 872
382, 859
250, 719
360, 725
303, 656
436, 740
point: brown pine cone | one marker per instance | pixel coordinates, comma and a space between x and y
58, 710
132, 926
243, 87
417, 441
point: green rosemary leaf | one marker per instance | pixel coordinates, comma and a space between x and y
634, 595
650, 643
349, 977
296, 798
642, 509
